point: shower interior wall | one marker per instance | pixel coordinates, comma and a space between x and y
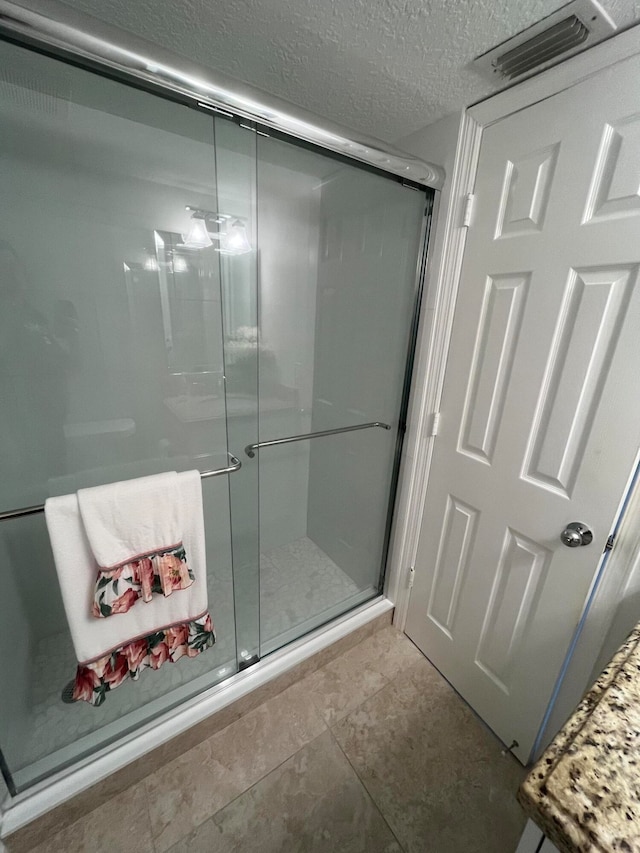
288, 209
368, 253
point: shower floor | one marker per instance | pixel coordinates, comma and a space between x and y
300, 588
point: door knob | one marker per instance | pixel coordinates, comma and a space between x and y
575, 534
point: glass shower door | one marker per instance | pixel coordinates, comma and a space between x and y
338, 253
238, 259
111, 367
180, 291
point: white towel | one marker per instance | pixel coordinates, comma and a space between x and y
126, 520
76, 567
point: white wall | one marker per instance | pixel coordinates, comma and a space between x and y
625, 616
288, 224
435, 143
366, 295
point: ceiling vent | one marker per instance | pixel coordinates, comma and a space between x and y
571, 29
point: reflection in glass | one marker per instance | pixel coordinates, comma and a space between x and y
198, 236
111, 366
234, 240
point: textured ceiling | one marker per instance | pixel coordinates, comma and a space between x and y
384, 67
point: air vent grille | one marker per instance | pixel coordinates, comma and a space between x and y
542, 48
567, 31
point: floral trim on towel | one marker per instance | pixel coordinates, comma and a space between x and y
160, 572
188, 639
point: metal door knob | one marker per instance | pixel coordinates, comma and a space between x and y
575, 534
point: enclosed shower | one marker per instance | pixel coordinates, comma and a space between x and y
183, 288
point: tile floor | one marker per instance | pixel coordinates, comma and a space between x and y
373, 753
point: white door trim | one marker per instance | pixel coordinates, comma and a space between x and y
442, 282
446, 250
592, 651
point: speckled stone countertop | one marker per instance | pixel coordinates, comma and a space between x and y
584, 792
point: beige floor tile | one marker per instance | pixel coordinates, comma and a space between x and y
391, 652
360, 672
313, 803
121, 825
433, 769
196, 785
341, 686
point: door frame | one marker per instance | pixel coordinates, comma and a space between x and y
453, 217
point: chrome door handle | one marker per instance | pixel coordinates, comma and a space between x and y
250, 449
575, 534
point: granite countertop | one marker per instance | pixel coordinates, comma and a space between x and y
584, 792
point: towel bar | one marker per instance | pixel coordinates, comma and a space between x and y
235, 465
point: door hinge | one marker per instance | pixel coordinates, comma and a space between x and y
435, 424
469, 202
412, 576
609, 545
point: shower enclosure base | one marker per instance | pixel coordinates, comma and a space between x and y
300, 587
20, 810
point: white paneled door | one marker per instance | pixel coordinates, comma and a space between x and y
540, 419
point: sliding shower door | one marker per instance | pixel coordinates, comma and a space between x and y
178, 291
112, 366
319, 304
338, 249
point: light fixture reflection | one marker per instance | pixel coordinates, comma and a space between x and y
180, 264
235, 241
198, 236
229, 230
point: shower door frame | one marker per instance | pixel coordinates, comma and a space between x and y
53, 28
55, 41
124, 57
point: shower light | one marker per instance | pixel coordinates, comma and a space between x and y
235, 241
198, 236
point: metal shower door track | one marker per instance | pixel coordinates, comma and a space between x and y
52, 26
